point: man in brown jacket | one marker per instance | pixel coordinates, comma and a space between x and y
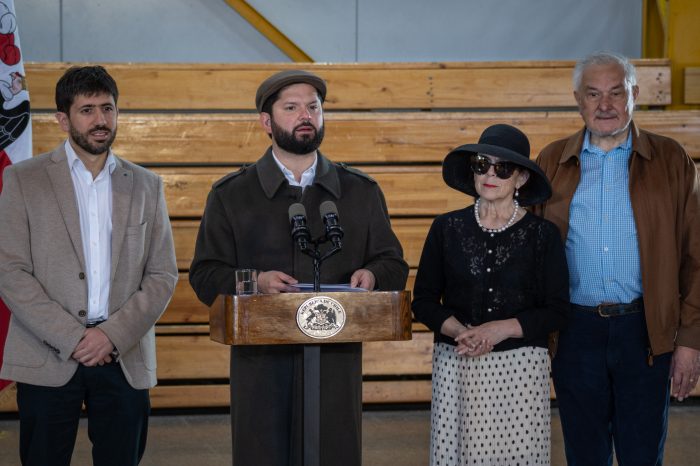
246, 225
87, 266
627, 203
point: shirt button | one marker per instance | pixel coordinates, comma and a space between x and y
490, 290
490, 251
605, 249
81, 276
488, 269
489, 310
82, 313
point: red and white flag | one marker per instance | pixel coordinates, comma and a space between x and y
15, 124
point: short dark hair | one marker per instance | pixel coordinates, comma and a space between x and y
83, 80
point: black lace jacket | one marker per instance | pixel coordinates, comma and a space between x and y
480, 277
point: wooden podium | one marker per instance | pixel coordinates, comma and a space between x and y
293, 318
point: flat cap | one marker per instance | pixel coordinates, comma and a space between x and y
284, 78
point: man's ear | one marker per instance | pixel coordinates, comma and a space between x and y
63, 121
266, 122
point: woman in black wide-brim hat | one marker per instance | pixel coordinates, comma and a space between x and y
492, 284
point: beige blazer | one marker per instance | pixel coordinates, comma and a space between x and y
42, 270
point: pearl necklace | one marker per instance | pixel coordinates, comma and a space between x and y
509, 223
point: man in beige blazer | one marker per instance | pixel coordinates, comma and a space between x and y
87, 266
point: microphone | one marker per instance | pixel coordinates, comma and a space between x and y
297, 221
334, 233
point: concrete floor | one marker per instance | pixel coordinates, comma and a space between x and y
389, 438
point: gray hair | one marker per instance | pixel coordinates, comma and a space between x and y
606, 58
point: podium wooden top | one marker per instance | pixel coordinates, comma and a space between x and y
271, 319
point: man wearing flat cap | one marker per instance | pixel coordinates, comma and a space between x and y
246, 225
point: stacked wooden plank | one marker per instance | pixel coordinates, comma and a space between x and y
194, 123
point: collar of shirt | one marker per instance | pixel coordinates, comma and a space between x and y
307, 178
590, 148
77, 166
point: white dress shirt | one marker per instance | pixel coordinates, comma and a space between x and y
94, 197
306, 178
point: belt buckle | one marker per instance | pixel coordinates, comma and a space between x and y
601, 306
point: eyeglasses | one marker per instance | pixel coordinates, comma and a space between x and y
480, 165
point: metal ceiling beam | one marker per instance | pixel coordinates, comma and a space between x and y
268, 30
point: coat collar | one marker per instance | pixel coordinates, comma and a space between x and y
572, 149
59, 173
122, 192
271, 177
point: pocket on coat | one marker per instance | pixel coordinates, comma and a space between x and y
147, 345
23, 349
136, 229
135, 241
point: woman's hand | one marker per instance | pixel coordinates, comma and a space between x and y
479, 340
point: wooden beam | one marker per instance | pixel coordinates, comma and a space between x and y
691, 94
231, 87
186, 193
186, 310
654, 29
355, 138
683, 48
410, 231
197, 357
269, 30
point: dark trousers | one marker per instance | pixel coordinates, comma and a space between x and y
117, 418
608, 393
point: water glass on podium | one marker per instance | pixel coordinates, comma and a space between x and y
246, 281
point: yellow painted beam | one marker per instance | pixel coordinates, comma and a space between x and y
683, 46
670, 30
654, 27
268, 30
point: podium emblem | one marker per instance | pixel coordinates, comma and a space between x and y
320, 317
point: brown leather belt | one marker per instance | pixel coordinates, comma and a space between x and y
612, 309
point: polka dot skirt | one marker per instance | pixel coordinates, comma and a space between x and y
490, 410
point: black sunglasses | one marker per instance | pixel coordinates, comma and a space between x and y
480, 165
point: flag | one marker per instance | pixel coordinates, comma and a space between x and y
15, 125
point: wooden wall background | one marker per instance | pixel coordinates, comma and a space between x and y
194, 123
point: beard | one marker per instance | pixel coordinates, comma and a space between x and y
81, 139
303, 145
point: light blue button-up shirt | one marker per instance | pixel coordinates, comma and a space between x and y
94, 197
601, 246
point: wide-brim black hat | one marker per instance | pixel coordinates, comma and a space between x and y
286, 78
507, 143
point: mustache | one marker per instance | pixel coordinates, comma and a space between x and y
100, 128
305, 125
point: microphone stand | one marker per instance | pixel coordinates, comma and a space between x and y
318, 259
312, 367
